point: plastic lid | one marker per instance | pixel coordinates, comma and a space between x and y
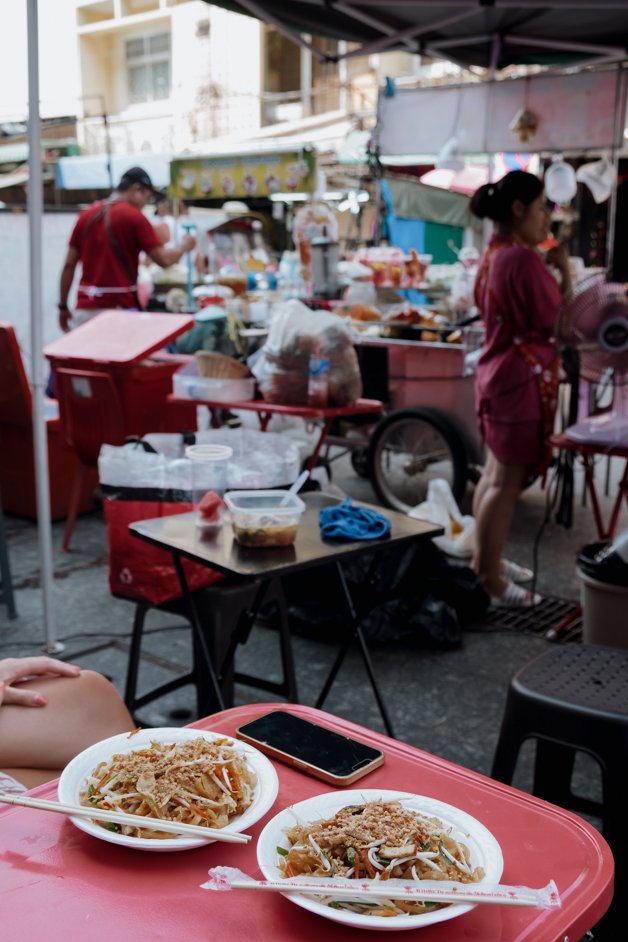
208, 452
599, 561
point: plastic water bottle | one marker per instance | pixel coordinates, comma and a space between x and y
318, 382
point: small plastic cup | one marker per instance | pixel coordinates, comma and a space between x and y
209, 473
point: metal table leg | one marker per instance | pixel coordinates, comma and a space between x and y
202, 656
354, 631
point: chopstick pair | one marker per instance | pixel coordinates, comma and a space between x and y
427, 891
120, 817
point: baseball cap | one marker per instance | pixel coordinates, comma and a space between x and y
139, 175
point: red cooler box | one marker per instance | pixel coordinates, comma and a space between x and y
121, 343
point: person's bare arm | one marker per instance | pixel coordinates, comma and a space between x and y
166, 257
558, 258
18, 669
65, 283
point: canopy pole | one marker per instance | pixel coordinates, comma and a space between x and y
35, 217
618, 131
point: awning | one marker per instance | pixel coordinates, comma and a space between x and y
412, 199
16, 152
489, 33
323, 133
15, 178
577, 112
90, 172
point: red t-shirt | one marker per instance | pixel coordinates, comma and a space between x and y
105, 267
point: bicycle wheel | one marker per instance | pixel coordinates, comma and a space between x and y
409, 448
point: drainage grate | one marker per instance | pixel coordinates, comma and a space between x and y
558, 620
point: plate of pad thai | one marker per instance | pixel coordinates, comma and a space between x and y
378, 835
186, 776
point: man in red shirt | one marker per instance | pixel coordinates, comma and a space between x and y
107, 240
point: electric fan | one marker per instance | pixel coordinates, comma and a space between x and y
596, 319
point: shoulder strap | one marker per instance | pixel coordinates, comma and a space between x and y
115, 245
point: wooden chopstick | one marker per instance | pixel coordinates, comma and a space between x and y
438, 891
120, 817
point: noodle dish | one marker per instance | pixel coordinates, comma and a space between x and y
378, 835
190, 776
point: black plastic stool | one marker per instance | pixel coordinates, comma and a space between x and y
574, 698
222, 618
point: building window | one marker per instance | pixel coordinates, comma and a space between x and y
148, 67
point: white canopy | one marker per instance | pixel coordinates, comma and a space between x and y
577, 112
90, 171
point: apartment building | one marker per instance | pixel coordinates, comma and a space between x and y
164, 76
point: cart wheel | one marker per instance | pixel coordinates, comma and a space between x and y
408, 449
359, 462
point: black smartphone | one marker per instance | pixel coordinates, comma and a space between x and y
325, 754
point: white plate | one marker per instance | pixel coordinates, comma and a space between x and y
484, 849
73, 778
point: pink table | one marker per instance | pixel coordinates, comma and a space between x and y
57, 883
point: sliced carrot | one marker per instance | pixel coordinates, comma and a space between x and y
368, 866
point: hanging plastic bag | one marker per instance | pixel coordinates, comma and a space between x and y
297, 333
441, 508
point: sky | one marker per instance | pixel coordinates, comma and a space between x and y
58, 58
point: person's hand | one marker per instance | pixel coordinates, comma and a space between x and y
188, 242
558, 257
65, 317
16, 669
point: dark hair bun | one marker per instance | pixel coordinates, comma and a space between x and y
483, 202
494, 200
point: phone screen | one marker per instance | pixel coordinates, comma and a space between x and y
310, 743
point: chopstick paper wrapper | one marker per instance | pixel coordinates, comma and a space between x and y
132, 820
428, 891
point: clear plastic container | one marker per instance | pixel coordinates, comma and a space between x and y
187, 384
209, 473
259, 520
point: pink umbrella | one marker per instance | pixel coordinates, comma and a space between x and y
466, 180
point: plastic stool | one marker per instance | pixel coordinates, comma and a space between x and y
224, 616
575, 698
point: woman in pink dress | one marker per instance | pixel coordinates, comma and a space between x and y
517, 374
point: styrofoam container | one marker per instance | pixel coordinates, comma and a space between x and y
187, 384
259, 520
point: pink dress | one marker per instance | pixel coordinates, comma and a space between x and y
516, 376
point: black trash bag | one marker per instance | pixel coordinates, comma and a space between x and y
460, 588
425, 598
430, 624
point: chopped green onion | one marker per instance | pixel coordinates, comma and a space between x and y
282, 851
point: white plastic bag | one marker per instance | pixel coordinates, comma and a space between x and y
441, 508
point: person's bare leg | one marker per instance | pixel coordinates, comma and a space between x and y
482, 486
37, 742
493, 517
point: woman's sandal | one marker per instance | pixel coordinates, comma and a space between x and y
512, 572
514, 596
